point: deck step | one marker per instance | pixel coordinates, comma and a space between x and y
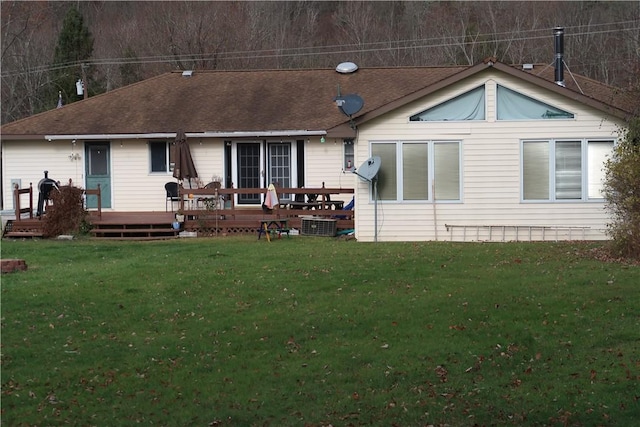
23, 229
139, 238
22, 234
137, 231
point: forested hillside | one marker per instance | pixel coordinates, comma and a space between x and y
137, 40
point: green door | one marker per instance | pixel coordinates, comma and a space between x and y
97, 171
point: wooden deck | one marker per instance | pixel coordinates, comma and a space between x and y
200, 219
149, 225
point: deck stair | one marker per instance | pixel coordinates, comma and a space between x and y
31, 227
134, 228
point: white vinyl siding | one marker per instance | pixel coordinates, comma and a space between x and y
491, 172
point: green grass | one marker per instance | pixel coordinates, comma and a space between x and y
317, 331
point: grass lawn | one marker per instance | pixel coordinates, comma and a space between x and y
309, 331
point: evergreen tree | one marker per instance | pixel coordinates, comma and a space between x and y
74, 47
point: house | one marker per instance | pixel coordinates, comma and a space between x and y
484, 152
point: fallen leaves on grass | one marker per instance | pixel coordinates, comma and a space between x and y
442, 373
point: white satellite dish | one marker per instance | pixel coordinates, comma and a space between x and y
368, 171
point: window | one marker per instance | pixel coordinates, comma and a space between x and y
161, 156
558, 170
411, 170
468, 106
516, 106
348, 155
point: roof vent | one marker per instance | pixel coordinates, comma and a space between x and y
346, 68
527, 67
187, 73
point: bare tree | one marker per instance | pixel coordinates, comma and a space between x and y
136, 40
28, 38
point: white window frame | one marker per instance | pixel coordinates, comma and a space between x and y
169, 165
586, 171
431, 169
348, 150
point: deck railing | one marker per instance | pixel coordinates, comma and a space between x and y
197, 202
20, 210
17, 193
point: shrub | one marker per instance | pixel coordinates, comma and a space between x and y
67, 214
622, 193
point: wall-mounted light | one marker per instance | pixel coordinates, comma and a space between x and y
322, 140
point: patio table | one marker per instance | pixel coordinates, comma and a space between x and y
280, 225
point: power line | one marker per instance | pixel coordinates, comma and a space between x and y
309, 51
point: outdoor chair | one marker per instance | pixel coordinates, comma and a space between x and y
171, 189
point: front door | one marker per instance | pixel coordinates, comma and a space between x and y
97, 171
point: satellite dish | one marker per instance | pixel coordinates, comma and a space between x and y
369, 169
349, 104
346, 68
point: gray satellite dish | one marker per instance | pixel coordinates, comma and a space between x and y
349, 104
369, 169
346, 67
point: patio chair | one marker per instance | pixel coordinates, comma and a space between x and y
171, 189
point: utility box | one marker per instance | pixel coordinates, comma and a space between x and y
319, 227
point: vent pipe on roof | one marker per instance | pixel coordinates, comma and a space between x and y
558, 34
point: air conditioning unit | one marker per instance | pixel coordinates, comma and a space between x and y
319, 227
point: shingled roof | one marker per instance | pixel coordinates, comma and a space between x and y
273, 100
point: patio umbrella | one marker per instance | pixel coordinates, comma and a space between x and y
184, 168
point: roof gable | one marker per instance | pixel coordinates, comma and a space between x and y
604, 98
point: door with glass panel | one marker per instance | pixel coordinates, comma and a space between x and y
260, 164
279, 167
249, 170
97, 171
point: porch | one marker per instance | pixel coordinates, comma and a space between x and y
216, 212
208, 212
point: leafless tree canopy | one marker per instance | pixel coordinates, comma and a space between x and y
136, 40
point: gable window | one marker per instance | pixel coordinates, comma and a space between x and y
558, 170
161, 156
468, 106
410, 171
512, 105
